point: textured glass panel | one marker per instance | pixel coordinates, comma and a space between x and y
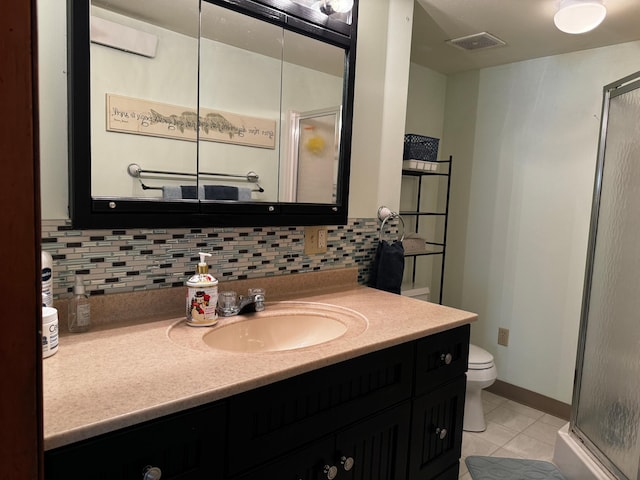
609, 409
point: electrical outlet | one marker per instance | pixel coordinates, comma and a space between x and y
315, 240
503, 336
322, 239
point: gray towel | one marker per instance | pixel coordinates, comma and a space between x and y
244, 194
171, 192
180, 192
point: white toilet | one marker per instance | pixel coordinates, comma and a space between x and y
480, 374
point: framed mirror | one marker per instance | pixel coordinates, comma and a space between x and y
201, 113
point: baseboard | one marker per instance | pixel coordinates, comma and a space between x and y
531, 399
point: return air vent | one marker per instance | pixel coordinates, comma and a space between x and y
477, 41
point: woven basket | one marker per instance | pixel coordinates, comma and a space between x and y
419, 147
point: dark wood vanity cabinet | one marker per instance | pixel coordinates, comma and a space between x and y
388, 415
184, 446
374, 449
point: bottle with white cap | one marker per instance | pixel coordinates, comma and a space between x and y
47, 279
79, 308
202, 296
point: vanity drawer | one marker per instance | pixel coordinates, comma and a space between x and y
441, 357
183, 446
277, 418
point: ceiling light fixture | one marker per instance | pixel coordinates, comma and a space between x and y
579, 16
329, 7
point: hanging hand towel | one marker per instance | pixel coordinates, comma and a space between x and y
189, 192
244, 194
220, 192
388, 267
171, 192
181, 192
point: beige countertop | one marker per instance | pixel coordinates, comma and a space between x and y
121, 375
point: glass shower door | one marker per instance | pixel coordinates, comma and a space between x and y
606, 405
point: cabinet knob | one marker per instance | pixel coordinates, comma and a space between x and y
347, 463
441, 433
447, 359
330, 471
151, 473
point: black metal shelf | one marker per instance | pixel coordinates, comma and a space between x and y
442, 247
422, 173
441, 214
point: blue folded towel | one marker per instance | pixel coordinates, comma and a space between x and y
180, 192
189, 191
208, 192
220, 192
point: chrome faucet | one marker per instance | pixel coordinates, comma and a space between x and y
230, 306
254, 302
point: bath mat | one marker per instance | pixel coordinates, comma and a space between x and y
496, 468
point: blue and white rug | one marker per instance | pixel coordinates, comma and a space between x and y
496, 468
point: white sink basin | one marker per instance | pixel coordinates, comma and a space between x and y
281, 326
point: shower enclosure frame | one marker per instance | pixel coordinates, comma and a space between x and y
610, 91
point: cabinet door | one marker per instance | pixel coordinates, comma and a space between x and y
375, 449
312, 462
277, 418
184, 447
436, 435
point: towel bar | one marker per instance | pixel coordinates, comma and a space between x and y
136, 171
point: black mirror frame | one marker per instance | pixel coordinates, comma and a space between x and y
87, 212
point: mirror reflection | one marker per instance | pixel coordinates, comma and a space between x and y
130, 88
214, 106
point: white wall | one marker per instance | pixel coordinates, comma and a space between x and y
382, 73
425, 116
458, 141
535, 145
427, 91
52, 110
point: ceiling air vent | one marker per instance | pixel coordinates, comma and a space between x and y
477, 41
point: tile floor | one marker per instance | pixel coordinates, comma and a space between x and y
513, 430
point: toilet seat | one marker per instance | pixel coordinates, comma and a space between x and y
479, 359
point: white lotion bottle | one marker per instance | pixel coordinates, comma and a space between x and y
79, 308
202, 296
47, 279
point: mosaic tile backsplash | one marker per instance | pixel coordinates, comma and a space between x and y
113, 261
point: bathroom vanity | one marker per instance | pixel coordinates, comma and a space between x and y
382, 402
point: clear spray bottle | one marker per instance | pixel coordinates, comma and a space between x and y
79, 308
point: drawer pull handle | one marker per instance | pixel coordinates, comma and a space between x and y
441, 433
447, 359
151, 473
347, 463
330, 471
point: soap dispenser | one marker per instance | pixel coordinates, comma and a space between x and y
202, 296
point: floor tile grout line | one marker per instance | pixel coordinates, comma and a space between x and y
522, 437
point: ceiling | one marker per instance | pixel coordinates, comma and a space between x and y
525, 25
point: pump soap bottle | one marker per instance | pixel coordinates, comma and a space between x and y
79, 308
202, 296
